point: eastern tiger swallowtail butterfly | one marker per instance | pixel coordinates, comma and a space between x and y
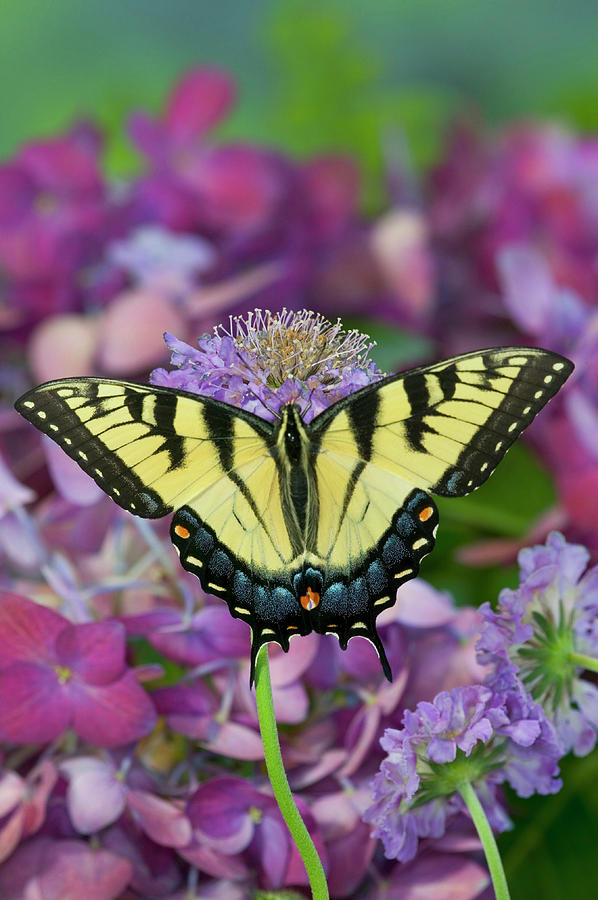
298, 526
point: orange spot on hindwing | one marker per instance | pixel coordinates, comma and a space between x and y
181, 531
309, 600
426, 513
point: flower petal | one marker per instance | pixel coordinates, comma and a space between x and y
33, 705
27, 630
95, 797
94, 650
198, 102
161, 820
114, 714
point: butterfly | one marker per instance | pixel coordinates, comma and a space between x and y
301, 526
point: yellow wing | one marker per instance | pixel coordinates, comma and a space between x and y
154, 450
441, 428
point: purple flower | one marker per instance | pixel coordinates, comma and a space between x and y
54, 675
160, 260
52, 207
199, 101
193, 710
471, 733
267, 360
230, 819
541, 629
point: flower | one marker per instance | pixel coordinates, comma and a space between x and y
52, 213
232, 820
471, 734
54, 674
23, 804
544, 628
266, 360
156, 258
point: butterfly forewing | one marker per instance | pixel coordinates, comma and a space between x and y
445, 427
151, 449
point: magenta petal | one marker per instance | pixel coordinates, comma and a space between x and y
434, 875
146, 623
208, 860
147, 135
164, 822
73, 869
285, 668
227, 738
95, 798
11, 832
272, 848
95, 651
213, 635
112, 715
291, 703
27, 630
422, 606
40, 783
219, 811
45, 868
12, 791
349, 855
18, 874
33, 706
198, 102
12, 492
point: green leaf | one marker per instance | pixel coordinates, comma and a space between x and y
395, 348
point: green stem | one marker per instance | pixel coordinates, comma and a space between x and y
587, 662
486, 835
278, 778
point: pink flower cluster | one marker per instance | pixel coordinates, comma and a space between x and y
95, 787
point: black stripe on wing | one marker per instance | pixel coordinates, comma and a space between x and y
541, 376
50, 413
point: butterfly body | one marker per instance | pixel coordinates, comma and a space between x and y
297, 525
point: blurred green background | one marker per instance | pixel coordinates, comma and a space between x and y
343, 75
311, 75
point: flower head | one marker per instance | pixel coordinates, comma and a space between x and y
54, 674
268, 359
471, 734
542, 628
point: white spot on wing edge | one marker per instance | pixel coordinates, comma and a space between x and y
419, 543
194, 561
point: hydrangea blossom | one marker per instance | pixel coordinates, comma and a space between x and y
54, 674
543, 630
471, 734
